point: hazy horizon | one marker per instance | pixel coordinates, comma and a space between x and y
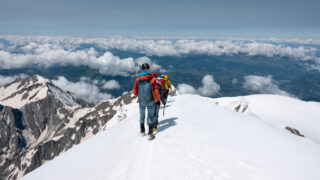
235, 19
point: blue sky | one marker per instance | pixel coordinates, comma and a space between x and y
222, 18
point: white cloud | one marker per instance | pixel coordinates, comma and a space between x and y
315, 65
8, 79
295, 40
47, 51
166, 47
263, 84
186, 89
107, 63
111, 84
206, 47
86, 88
209, 87
83, 89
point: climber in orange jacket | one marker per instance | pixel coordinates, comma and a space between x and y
145, 87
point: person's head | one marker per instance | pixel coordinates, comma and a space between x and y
154, 74
145, 67
166, 77
162, 76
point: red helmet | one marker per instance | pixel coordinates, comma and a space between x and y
154, 74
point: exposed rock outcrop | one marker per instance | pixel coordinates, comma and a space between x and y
45, 121
294, 131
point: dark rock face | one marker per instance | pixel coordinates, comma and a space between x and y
294, 131
41, 130
11, 127
21, 128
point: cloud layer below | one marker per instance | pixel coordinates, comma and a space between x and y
263, 84
48, 51
23, 51
167, 47
209, 87
85, 89
8, 79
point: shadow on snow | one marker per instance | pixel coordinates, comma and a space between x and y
165, 124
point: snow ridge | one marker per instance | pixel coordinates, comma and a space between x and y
199, 140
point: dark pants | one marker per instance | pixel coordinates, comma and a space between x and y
156, 112
166, 93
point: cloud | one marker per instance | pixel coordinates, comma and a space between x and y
8, 79
86, 88
186, 89
209, 87
107, 64
207, 47
47, 51
83, 89
295, 40
111, 84
167, 47
263, 84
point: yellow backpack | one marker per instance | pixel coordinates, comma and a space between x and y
166, 86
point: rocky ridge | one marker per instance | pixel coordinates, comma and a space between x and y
39, 121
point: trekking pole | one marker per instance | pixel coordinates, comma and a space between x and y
164, 107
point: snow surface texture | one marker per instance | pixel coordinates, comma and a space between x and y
198, 138
279, 111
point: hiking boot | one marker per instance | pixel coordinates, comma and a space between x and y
155, 127
151, 133
151, 136
150, 129
142, 130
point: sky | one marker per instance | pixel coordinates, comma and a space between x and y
216, 18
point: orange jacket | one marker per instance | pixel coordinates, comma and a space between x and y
154, 87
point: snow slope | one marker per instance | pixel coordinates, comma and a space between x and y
197, 139
280, 111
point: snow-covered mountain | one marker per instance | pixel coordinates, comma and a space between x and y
239, 138
39, 121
